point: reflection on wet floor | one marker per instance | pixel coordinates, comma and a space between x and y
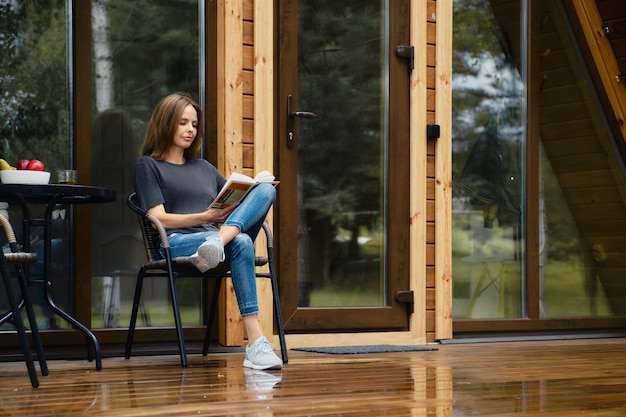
564, 378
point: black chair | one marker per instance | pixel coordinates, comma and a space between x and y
17, 259
154, 236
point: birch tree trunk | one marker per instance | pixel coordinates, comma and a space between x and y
103, 58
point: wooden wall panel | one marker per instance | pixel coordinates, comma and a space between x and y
247, 107
423, 296
248, 131
248, 32
443, 169
248, 82
263, 114
246, 88
230, 143
431, 82
248, 57
247, 9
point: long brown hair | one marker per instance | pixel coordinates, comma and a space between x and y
163, 124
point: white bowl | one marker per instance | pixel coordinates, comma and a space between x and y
24, 176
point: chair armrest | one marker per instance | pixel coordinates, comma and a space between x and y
15, 256
268, 235
158, 226
8, 230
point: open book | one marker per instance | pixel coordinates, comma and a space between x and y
238, 186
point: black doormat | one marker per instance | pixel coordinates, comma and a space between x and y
350, 350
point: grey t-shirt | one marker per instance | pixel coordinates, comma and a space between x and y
182, 189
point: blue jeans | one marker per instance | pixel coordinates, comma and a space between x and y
249, 217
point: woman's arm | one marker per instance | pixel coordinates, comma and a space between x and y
179, 221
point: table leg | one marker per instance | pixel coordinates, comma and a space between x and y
92, 340
93, 345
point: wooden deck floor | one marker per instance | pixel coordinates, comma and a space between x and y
547, 378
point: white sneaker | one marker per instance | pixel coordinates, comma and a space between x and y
209, 254
260, 355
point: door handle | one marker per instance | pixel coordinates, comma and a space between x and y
292, 113
305, 114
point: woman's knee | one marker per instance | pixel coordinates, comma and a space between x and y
267, 191
242, 243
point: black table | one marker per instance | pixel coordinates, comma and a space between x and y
51, 195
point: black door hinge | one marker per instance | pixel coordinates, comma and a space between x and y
408, 52
406, 297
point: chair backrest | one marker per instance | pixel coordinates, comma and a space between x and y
151, 238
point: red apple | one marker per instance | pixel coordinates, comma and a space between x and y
23, 164
35, 165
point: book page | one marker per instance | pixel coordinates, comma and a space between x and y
264, 176
236, 188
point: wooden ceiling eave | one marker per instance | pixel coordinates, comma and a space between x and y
604, 61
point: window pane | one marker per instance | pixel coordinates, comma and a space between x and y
141, 54
582, 185
35, 119
341, 154
34, 107
488, 139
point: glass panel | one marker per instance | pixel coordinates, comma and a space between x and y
341, 154
488, 139
582, 200
141, 54
35, 121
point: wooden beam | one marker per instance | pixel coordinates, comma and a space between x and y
82, 158
603, 57
230, 136
418, 151
264, 129
443, 175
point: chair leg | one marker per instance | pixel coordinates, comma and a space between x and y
209, 326
33, 322
133, 315
177, 320
19, 325
277, 308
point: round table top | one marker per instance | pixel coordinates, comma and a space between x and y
61, 193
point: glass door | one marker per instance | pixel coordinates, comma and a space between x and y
343, 152
539, 181
488, 156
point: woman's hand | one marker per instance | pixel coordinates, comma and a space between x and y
173, 220
220, 216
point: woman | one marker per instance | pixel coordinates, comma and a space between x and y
177, 188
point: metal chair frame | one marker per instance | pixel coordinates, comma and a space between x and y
155, 237
18, 258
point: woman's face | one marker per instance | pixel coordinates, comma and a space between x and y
187, 128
